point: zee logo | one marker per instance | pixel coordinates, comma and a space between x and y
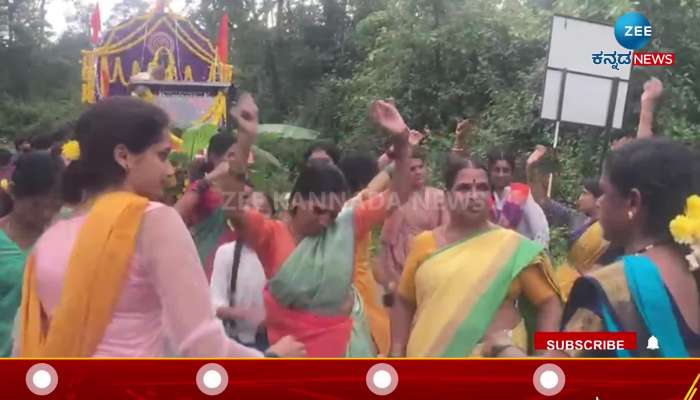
633, 31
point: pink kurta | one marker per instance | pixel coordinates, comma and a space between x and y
424, 211
165, 298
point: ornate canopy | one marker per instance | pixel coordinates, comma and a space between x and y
156, 42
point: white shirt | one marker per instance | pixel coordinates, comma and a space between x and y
249, 289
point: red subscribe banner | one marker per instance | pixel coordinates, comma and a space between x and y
585, 341
654, 59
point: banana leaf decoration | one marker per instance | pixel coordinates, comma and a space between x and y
290, 132
196, 139
266, 157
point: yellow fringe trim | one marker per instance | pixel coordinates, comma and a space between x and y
188, 74
135, 68
118, 73
217, 112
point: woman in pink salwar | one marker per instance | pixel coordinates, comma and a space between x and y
121, 277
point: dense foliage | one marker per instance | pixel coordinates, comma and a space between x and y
318, 64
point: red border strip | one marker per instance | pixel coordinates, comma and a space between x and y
346, 379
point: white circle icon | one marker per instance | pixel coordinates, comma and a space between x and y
549, 379
382, 379
41, 379
212, 379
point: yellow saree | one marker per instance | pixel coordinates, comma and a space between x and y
585, 251
458, 290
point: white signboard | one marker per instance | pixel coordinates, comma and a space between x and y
579, 86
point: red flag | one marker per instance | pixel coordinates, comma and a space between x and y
222, 46
96, 24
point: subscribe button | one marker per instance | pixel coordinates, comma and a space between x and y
585, 341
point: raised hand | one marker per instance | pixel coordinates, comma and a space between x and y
415, 137
288, 347
536, 155
653, 88
386, 116
463, 127
246, 114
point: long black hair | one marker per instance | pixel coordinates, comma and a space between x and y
116, 120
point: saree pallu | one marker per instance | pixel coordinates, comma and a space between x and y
586, 249
12, 261
208, 235
630, 295
210, 229
307, 298
93, 283
368, 290
460, 288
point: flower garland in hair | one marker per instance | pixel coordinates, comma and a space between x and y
685, 229
71, 150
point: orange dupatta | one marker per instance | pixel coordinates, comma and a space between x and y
97, 269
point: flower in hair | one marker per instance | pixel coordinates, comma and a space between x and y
685, 229
5, 185
693, 207
71, 150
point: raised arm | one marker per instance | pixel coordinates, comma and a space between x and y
374, 210
535, 180
246, 114
387, 117
200, 194
459, 150
385, 161
653, 89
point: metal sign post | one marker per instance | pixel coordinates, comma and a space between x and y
577, 89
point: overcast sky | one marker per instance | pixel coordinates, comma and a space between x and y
58, 10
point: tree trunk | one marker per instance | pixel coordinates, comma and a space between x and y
279, 18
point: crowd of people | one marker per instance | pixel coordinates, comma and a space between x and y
363, 258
